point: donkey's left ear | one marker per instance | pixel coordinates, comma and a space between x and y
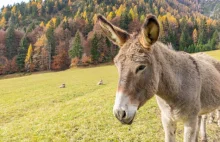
150, 31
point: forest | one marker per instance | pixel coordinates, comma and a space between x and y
59, 34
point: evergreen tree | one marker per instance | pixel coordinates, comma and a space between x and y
185, 40
108, 44
88, 27
201, 39
58, 22
51, 43
10, 43
125, 20
94, 50
34, 10
214, 40
20, 60
76, 49
12, 20
203, 32
31, 27
65, 24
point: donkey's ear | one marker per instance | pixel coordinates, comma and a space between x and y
115, 34
150, 31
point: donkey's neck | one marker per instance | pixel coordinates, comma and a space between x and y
173, 71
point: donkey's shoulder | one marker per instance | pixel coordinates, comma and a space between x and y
205, 58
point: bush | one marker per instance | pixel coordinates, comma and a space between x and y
74, 62
86, 60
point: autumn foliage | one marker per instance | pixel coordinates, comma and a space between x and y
58, 34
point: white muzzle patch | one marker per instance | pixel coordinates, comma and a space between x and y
123, 102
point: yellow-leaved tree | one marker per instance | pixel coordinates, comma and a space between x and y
29, 54
120, 10
42, 24
2, 22
13, 10
51, 23
195, 36
28, 59
110, 16
4, 11
39, 8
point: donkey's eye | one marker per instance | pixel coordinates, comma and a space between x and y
141, 67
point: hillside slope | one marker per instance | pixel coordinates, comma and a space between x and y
56, 34
211, 8
34, 108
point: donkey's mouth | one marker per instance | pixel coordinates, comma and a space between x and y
127, 121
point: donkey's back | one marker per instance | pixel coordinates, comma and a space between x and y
210, 76
206, 58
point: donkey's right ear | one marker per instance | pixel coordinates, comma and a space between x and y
115, 34
150, 31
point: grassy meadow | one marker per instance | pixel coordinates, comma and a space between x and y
34, 108
215, 54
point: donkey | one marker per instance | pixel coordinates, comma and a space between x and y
186, 88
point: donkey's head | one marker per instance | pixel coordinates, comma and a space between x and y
138, 77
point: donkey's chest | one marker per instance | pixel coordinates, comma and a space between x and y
174, 112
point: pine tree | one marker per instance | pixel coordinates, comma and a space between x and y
201, 39
20, 60
57, 22
125, 20
65, 24
202, 32
109, 52
31, 27
10, 43
76, 49
214, 40
51, 44
94, 50
183, 41
88, 27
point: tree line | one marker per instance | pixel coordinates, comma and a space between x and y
57, 34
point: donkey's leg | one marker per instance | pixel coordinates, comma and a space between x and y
190, 129
203, 128
169, 127
218, 117
199, 123
211, 117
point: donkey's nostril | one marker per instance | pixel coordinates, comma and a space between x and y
122, 114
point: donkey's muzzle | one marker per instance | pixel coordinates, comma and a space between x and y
123, 116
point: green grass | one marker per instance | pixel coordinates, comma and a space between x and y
215, 54
34, 108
